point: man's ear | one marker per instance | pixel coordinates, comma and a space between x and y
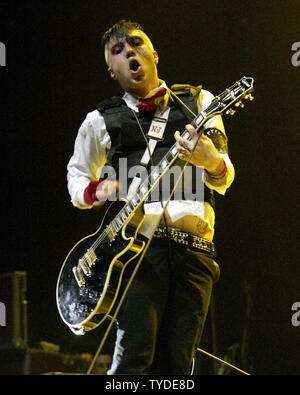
111, 73
155, 54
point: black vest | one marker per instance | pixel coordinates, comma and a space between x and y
127, 141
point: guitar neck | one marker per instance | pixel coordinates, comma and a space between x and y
220, 104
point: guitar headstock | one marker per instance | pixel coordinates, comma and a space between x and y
232, 97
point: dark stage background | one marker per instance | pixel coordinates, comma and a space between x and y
55, 74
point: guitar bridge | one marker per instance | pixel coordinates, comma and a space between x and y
79, 277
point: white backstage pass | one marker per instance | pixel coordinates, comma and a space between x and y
156, 133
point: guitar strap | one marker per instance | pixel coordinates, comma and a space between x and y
155, 134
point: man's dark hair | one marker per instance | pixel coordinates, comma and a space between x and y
119, 30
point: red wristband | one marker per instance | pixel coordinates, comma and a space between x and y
220, 175
90, 192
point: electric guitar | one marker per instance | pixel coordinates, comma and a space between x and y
89, 281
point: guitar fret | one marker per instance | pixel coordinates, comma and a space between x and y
143, 189
155, 175
169, 157
174, 151
164, 163
140, 196
117, 224
185, 135
197, 121
119, 221
114, 225
124, 216
134, 202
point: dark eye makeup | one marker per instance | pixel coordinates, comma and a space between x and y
116, 49
134, 41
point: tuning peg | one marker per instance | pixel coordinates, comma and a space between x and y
239, 104
230, 112
249, 97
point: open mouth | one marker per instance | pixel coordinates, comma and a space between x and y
134, 66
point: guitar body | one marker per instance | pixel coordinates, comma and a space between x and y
84, 306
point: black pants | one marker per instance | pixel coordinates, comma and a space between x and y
162, 317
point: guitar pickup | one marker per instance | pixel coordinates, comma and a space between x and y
84, 267
90, 257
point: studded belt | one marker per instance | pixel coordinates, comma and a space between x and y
188, 239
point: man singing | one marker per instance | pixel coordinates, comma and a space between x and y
160, 323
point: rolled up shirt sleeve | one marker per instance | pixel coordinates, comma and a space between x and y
89, 156
220, 185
